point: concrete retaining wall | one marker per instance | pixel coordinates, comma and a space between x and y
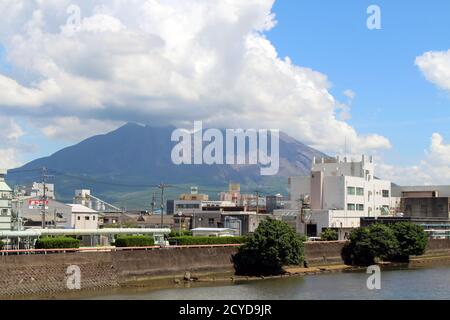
438, 245
324, 253
42, 274
46, 274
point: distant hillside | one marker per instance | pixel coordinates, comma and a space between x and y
126, 161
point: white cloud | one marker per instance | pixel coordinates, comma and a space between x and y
433, 169
166, 62
9, 143
75, 129
435, 65
350, 94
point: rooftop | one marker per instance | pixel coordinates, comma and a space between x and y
78, 208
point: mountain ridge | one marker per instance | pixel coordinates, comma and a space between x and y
140, 155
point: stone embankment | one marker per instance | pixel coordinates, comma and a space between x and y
39, 274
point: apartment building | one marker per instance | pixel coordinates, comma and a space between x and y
338, 193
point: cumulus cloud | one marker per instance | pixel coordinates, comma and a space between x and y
435, 65
82, 70
76, 129
9, 145
433, 169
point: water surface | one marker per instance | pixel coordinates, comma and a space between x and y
418, 284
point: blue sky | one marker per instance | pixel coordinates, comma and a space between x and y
392, 96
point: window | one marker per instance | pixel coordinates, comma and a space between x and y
86, 218
385, 193
211, 222
351, 191
360, 207
351, 207
359, 191
79, 218
93, 218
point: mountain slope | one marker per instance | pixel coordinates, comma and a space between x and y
132, 156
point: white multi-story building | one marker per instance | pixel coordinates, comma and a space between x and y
338, 193
5, 203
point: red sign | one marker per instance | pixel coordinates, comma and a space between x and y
37, 203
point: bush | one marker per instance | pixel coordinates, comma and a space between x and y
184, 241
377, 242
57, 243
329, 235
397, 242
273, 245
134, 241
182, 233
412, 240
126, 225
1, 245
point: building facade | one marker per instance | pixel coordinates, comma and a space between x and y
83, 217
5, 203
36, 189
338, 193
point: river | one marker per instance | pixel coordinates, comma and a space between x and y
418, 283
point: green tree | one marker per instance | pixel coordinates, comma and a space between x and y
273, 245
368, 244
359, 250
329, 235
412, 240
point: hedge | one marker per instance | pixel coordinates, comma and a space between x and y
182, 233
184, 241
134, 241
57, 243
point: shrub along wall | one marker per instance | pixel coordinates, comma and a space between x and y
184, 241
57, 243
134, 241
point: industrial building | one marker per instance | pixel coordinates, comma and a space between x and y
424, 201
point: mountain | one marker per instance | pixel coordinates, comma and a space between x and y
127, 160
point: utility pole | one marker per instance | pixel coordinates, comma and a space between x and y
153, 203
44, 196
257, 201
162, 186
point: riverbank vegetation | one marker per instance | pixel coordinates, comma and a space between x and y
57, 243
273, 245
329, 235
180, 233
378, 242
134, 241
189, 240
